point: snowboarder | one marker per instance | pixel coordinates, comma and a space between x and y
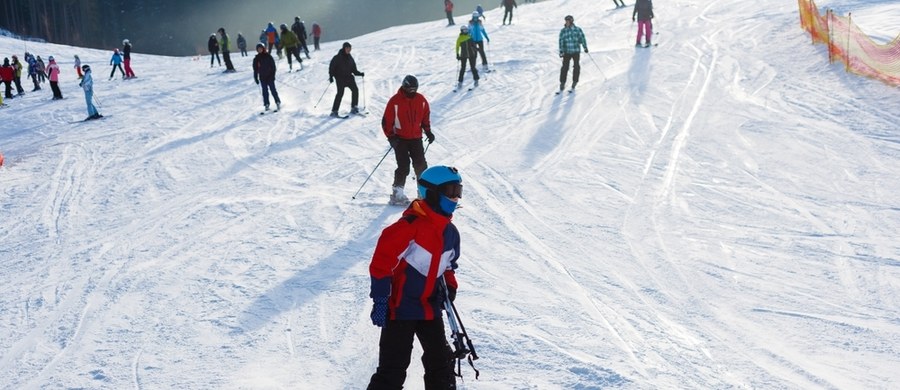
126, 51
466, 52
226, 50
7, 74
413, 260
571, 39
116, 63
213, 45
643, 12
299, 30
448, 8
291, 45
342, 68
53, 75
78, 67
242, 44
407, 116
87, 83
616, 2
508, 6
264, 75
479, 35
317, 34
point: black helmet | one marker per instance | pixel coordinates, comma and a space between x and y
260, 45
85, 67
283, 26
410, 82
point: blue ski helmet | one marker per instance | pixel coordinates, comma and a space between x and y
437, 185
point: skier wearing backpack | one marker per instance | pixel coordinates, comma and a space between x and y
413, 260
571, 39
264, 75
53, 75
466, 53
643, 12
407, 116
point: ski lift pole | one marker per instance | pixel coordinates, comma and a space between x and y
373, 171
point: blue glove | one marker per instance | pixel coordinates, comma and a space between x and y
379, 312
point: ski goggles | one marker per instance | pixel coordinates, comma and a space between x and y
452, 190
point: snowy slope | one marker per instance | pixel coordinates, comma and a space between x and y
719, 211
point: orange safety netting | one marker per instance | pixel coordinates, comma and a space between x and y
849, 44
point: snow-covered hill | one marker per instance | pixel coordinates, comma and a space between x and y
720, 211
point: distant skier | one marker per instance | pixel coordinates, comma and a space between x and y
617, 3
7, 74
18, 75
32, 70
213, 45
317, 34
41, 70
479, 11
342, 68
407, 116
242, 44
264, 75
299, 30
116, 63
226, 50
412, 275
272, 39
479, 35
571, 39
643, 10
508, 6
126, 53
87, 83
466, 53
53, 75
78, 67
291, 45
448, 8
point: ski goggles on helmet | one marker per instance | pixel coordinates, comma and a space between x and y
452, 190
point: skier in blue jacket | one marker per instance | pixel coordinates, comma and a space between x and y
479, 35
116, 62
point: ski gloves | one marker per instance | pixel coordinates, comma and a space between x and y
379, 311
393, 141
430, 136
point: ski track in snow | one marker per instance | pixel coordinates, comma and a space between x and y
717, 211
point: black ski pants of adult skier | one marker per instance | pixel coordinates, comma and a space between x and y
462, 68
316, 42
304, 47
576, 68
226, 56
8, 88
354, 93
54, 86
18, 81
406, 150
395, 353
293, 51
480, 47
507, 11
213, 57
268, 85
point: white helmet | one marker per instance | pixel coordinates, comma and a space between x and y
124, 41
464, 29
475, 15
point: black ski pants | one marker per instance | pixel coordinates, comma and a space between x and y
576, 68
406, 150
462, 68
480, 47
507, 11
293, 51
226, 56
54, 86
395, 353
213, 57
113, 71
354, 93
19, 88
269, 85
316, 42
8, 88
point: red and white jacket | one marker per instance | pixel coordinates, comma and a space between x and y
410, 258
406, 117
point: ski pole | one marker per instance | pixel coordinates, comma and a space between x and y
364, 92
373, 171
323, 95
598, 66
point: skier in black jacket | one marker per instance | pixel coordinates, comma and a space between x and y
213, 46
343, 68
300, 29
264, 75
643, 12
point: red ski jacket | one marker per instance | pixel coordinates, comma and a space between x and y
410, 258
406, 117
7, 73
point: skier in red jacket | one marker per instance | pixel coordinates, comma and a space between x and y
406, 116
